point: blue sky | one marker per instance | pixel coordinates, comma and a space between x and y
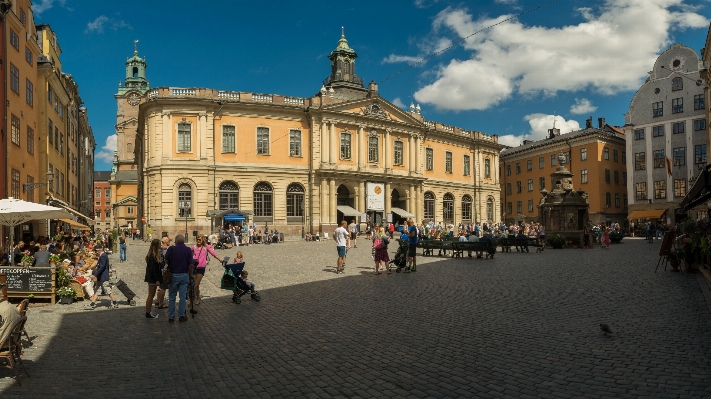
572, 59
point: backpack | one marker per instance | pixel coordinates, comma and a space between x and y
378, 243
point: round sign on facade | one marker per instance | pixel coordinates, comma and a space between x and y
143, 219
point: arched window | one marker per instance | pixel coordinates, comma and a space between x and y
429, 205
490, 209
135, 72
448, 207
263, 200
466, 208
185, 200
229, 195
487, 168
295, 201
129, 150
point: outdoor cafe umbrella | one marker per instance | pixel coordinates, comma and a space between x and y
14, 212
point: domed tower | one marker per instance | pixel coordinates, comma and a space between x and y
343, 78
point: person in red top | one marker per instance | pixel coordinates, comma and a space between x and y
200, 252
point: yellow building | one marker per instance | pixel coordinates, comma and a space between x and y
291, 163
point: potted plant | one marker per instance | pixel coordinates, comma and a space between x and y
616, 236
66, 295
54, 259
675, 257
27, 258
557, 241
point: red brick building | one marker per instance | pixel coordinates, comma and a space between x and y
102, 200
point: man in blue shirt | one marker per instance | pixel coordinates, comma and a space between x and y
100, 276
412, 251
180, 261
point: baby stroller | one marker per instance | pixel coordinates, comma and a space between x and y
231, 280
399, 261
222, 243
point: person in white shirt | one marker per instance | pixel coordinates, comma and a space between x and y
343, 243
251, 235
353, 229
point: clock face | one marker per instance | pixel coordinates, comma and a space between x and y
134, 99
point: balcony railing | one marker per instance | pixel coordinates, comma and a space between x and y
262, 97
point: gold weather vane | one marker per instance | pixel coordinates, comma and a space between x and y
135, 46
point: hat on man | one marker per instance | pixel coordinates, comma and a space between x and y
66, 261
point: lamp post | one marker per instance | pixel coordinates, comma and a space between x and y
184, 206
30, 187
303, 220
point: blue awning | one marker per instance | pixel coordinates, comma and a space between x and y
234, 218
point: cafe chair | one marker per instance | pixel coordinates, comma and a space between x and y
11, 349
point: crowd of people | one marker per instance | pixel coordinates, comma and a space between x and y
243, 234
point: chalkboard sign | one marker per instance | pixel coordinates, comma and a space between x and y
667, 242
35, 279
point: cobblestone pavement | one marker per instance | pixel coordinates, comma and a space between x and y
522, 325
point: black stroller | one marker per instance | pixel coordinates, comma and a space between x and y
222, 243
399, 261
231, 280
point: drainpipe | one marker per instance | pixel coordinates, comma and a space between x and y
5, 8
309, 182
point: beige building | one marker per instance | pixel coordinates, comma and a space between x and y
289, 163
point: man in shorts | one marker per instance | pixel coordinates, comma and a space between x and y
100, 276
353, 229
343, 242
412, 250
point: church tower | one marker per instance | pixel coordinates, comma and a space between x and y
343, 79
125, 188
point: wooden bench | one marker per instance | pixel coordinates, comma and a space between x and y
429, 246
459, 247
507, 243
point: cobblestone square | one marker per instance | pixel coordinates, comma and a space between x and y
522, 325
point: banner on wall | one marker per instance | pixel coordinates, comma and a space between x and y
375, 196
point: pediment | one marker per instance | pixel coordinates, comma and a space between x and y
129, 121
376, 108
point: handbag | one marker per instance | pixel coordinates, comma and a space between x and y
167, 276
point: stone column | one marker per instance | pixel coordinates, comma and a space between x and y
360, 145
333, 143
418, 205
361, 196
388, 152
324, 202
411, 154
324, 142
202, 135
388, 200
167, 134
333, 215
418, 155
411, 200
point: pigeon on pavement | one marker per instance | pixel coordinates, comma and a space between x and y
605, 328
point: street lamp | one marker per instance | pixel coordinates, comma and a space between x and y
184, 206
303, 220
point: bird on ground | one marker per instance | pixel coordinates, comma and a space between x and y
605, 328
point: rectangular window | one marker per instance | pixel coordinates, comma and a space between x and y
541, 163
263, 140
699, 102
700, 153
624, 178
677, 105
641, 191
184, 139
50, 95
61, 144
15, 130
467, 165
660, 189
398, 158
448, 162
541, 183
617, 200
30, 193
530, 184
529, 165
614, 156
658, 158
23, 17
583, 176
699, 124
30, 140
616, 176
15, 41
14, 78
228, 139
345, 146
624, 157
678, 127
61, 184
657, 109
608, 200
607, 175
530, 205
639, 134
639, 161
677, 84
624, 200
508, 188
97, 193
429, 159
518, 168
509, 208
107, 193
679, 156
508, 170
583, 154
15, 184
295, 143
658, 131
606, 154
373, 149
29, 92
553, 159
28, 56
518, 187
56, 182
107, 213
50, 136
56, 137
519, 206
679, 188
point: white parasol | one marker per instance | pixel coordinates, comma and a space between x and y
14, 212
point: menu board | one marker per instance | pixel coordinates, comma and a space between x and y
35, 279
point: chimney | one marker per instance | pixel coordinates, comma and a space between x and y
588, 123
600, 123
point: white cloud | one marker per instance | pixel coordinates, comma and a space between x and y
424, 3
398, 103
98, 24
106, 153
570, 58
582, 106
540, 123
45, 5
509, 2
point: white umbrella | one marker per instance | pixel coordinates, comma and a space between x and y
14, 212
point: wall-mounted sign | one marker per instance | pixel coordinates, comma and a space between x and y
375, 196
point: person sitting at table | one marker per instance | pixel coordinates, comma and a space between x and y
41, 257
4, 257
522, 236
